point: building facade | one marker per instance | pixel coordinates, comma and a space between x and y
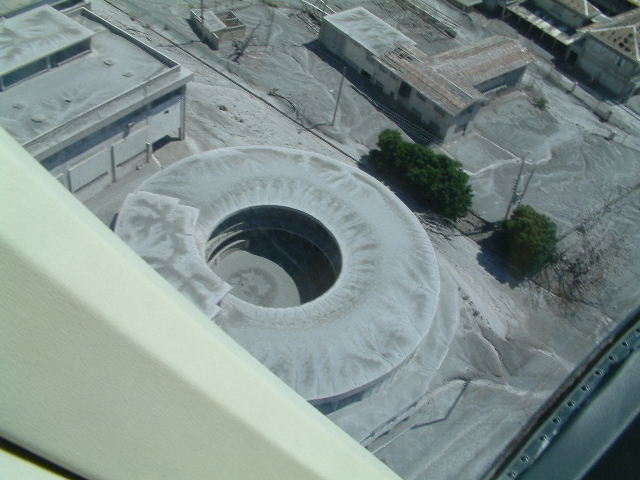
610, 54
85, 98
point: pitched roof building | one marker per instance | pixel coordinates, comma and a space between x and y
610, 53
443, 91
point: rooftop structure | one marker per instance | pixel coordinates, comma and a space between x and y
35, 35
9, 8
79, 89
318, 270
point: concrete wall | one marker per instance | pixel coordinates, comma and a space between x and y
508, 80
93, 163
561, 13
607, 66
332, 39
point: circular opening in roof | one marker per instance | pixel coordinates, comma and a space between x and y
274, 256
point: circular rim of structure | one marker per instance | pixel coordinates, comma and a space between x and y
362, 328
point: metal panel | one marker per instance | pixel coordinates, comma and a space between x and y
88, 170
130, 146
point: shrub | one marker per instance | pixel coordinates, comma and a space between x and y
531, 239
435, 180
540, 102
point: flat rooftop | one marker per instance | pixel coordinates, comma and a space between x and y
36, 34
9, 6
59, 104
365, 28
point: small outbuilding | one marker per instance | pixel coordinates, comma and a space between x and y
214, 28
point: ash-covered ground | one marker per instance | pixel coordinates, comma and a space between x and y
505, 346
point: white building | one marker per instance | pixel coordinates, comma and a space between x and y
85, 98
444, 91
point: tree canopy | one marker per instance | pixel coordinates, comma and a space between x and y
531, 238
436, 180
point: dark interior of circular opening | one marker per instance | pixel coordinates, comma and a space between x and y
274, 256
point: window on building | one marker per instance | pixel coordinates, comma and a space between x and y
405, 90
439, 110
25, 72
421, 97
71, 52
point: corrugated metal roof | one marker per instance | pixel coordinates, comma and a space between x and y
583, 7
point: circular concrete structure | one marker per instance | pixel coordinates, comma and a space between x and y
317, 269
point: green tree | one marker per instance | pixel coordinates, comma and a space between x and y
389, 142
435, 180
531, 239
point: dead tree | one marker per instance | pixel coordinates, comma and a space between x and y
240, 47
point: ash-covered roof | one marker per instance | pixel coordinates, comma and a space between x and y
621, 33
8, 7
36, 34
363, 27
583, 7
416, 68
483, 61
450, 79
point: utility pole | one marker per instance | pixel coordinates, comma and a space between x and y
514, 194
335, 111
